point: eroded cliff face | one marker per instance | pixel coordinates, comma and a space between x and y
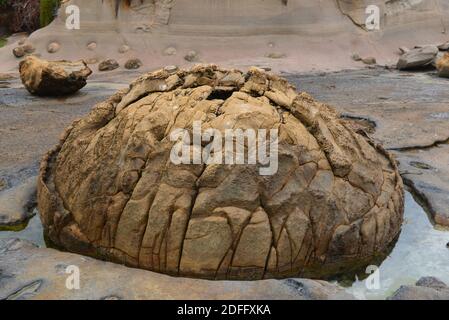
299, 33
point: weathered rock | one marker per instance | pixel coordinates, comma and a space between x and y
170, 51
16, 204
91, 61
18, 52
427, 288
133, 64
276, 55
356, 57
171, 69
191, 56
53, 47
91, 46
124, 49
403, 50
28, 48
369, 60
29, 272
442, 66
108, 65
444, 46
53, 78
417, 58
335, 201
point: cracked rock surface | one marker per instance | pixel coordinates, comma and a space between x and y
53, 78
109, 189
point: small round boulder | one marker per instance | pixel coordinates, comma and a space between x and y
108, 65
112, 190
53, 47
133, 64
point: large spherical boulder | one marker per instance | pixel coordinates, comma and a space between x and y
111, 189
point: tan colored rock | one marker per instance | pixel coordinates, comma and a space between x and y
110, 190
53, 47
124, 49
191, 56
443, 66
133, 64
170, 51
53, 78
28, 48
18, 52
369, 60
91, 46
108, 65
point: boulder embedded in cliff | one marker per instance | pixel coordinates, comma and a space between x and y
112, 189
53, 78
417, 58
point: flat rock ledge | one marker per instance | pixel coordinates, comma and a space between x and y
29, 272
16, 204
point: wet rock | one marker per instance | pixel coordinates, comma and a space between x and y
16, 204
133, 64
108, 65
91, 46
53, 78
191, 56
53, 47
369, 60
18, 52
442, 66
427, 288
35, 278
124, 49
220, 221
417, 58
318, 290
170, 51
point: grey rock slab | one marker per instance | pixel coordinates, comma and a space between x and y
39, 273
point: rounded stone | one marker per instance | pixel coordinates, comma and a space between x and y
29, 48
133, 64
170, 51
53, 47
91, 46
18, 52
108, 65
113, 188
123, 49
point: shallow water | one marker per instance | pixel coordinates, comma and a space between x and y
420, 251
32, 232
